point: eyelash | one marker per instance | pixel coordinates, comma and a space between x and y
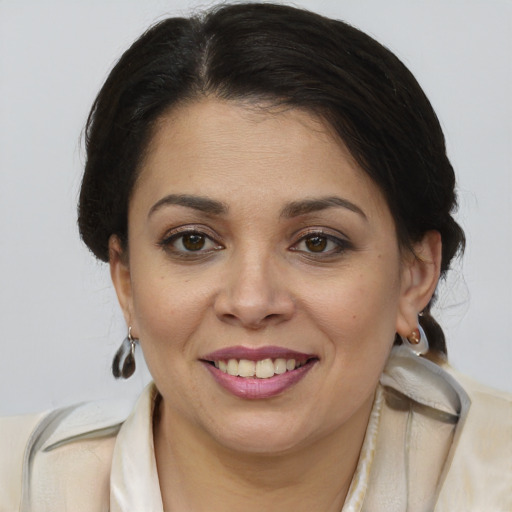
178, 234
341, 245
168, 243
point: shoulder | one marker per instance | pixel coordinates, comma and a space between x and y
480, 393
474, 423
42, 452
487, 429
480, 473
14, 434
489, 418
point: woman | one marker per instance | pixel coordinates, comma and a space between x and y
271, 191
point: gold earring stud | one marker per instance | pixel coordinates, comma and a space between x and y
414, 338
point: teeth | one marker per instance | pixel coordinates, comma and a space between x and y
263, 369
280, 366
246, 368
290, 364
232, 367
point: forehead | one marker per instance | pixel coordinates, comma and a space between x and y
233, 150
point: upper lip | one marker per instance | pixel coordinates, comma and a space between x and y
256, 354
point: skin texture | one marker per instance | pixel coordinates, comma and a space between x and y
256, 282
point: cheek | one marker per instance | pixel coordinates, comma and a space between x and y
358, 307
168, 309
358, 318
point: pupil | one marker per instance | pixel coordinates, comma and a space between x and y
193, 242
316, 243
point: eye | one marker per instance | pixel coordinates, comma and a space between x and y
187, 242
321, 243
191, 242
317, 243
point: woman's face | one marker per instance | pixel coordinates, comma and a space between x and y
256, 244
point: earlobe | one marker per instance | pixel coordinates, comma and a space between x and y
420, 275
121, 278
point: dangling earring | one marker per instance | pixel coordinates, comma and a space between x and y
417, 341
123, 364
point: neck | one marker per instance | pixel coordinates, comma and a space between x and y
313, 477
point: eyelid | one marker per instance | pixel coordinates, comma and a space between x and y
190, 228
321, 231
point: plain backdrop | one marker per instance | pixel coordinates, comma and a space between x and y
59, 320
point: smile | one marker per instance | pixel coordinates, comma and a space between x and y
258, 373
263, 369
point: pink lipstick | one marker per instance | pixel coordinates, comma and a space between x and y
258, 373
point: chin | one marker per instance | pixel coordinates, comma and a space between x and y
270, 436
260, 443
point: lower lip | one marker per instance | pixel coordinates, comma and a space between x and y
257, 389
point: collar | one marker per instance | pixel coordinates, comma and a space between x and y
357, 490
134, 484
422, 418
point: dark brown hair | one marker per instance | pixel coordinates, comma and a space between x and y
288, 57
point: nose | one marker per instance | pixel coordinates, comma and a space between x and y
254, 294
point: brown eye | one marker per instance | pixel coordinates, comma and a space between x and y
316, 243
190, 242
321, 245
193, 241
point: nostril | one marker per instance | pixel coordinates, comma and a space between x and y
253, 322
229, 317
252, 309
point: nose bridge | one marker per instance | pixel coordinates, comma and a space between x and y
253, 280
253, 293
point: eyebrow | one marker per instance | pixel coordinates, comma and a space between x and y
306, 206
202, 204
293, 209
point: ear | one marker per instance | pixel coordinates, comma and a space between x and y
121, 278
420, 274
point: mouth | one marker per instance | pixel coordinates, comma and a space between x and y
261, 369
258, 373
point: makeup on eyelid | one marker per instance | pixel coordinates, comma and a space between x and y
195, 240
193, 244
